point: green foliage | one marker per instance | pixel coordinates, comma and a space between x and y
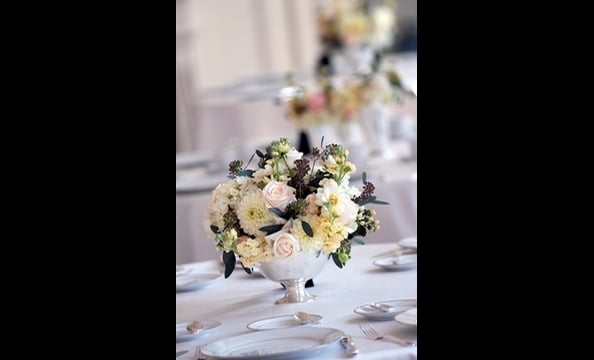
307, 229
229, 261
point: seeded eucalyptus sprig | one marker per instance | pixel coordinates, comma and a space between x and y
298, 179
367, 196
236, 168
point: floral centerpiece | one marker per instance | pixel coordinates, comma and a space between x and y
338, 100
290, 205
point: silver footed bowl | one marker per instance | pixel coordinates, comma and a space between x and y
293, 272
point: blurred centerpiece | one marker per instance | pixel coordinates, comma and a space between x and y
343, 109
290, 215
353, 33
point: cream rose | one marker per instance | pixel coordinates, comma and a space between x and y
278, 195
284, 244
312, 207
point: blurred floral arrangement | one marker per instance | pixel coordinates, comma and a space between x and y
339, 100
348, 22
290, 204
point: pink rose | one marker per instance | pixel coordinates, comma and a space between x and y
312, 207
284, 244
278, 195
316, 102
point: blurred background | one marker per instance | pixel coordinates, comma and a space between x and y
251, 71
241, 51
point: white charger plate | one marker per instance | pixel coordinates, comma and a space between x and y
281, 322
408, 317
285, 344
397, 262
181, 333
193, 281
399, 306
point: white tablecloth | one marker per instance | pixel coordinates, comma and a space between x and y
241, 299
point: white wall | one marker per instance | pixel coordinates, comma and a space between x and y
235, 39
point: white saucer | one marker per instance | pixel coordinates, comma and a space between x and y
410, 243
408, 317
398, 306
193, 281
281, 322
397, 262
181, 333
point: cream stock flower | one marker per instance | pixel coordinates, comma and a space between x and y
336, 203
253, 251
224, 196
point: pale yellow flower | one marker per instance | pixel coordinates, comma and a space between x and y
309, 243
254, 251
253, 214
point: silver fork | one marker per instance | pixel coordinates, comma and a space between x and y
373, 335
198, 353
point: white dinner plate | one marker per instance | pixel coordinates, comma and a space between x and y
191, 159
179, 270
193, 281
410, 243
181, 333
281, 322
294, 343
398, 306
397, 262
206, 183
408, 317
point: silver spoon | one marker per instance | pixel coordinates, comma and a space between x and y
305, 318
347, 342
382, 307
194, 327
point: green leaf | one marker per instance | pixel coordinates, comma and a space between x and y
229, 261
366, 201
246, 172
336, 260
247, 270
362, 231
380, 202
364, 177
358, 240
307, 228
214, 228
260, 154
271, 229
372, 200
277, 211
